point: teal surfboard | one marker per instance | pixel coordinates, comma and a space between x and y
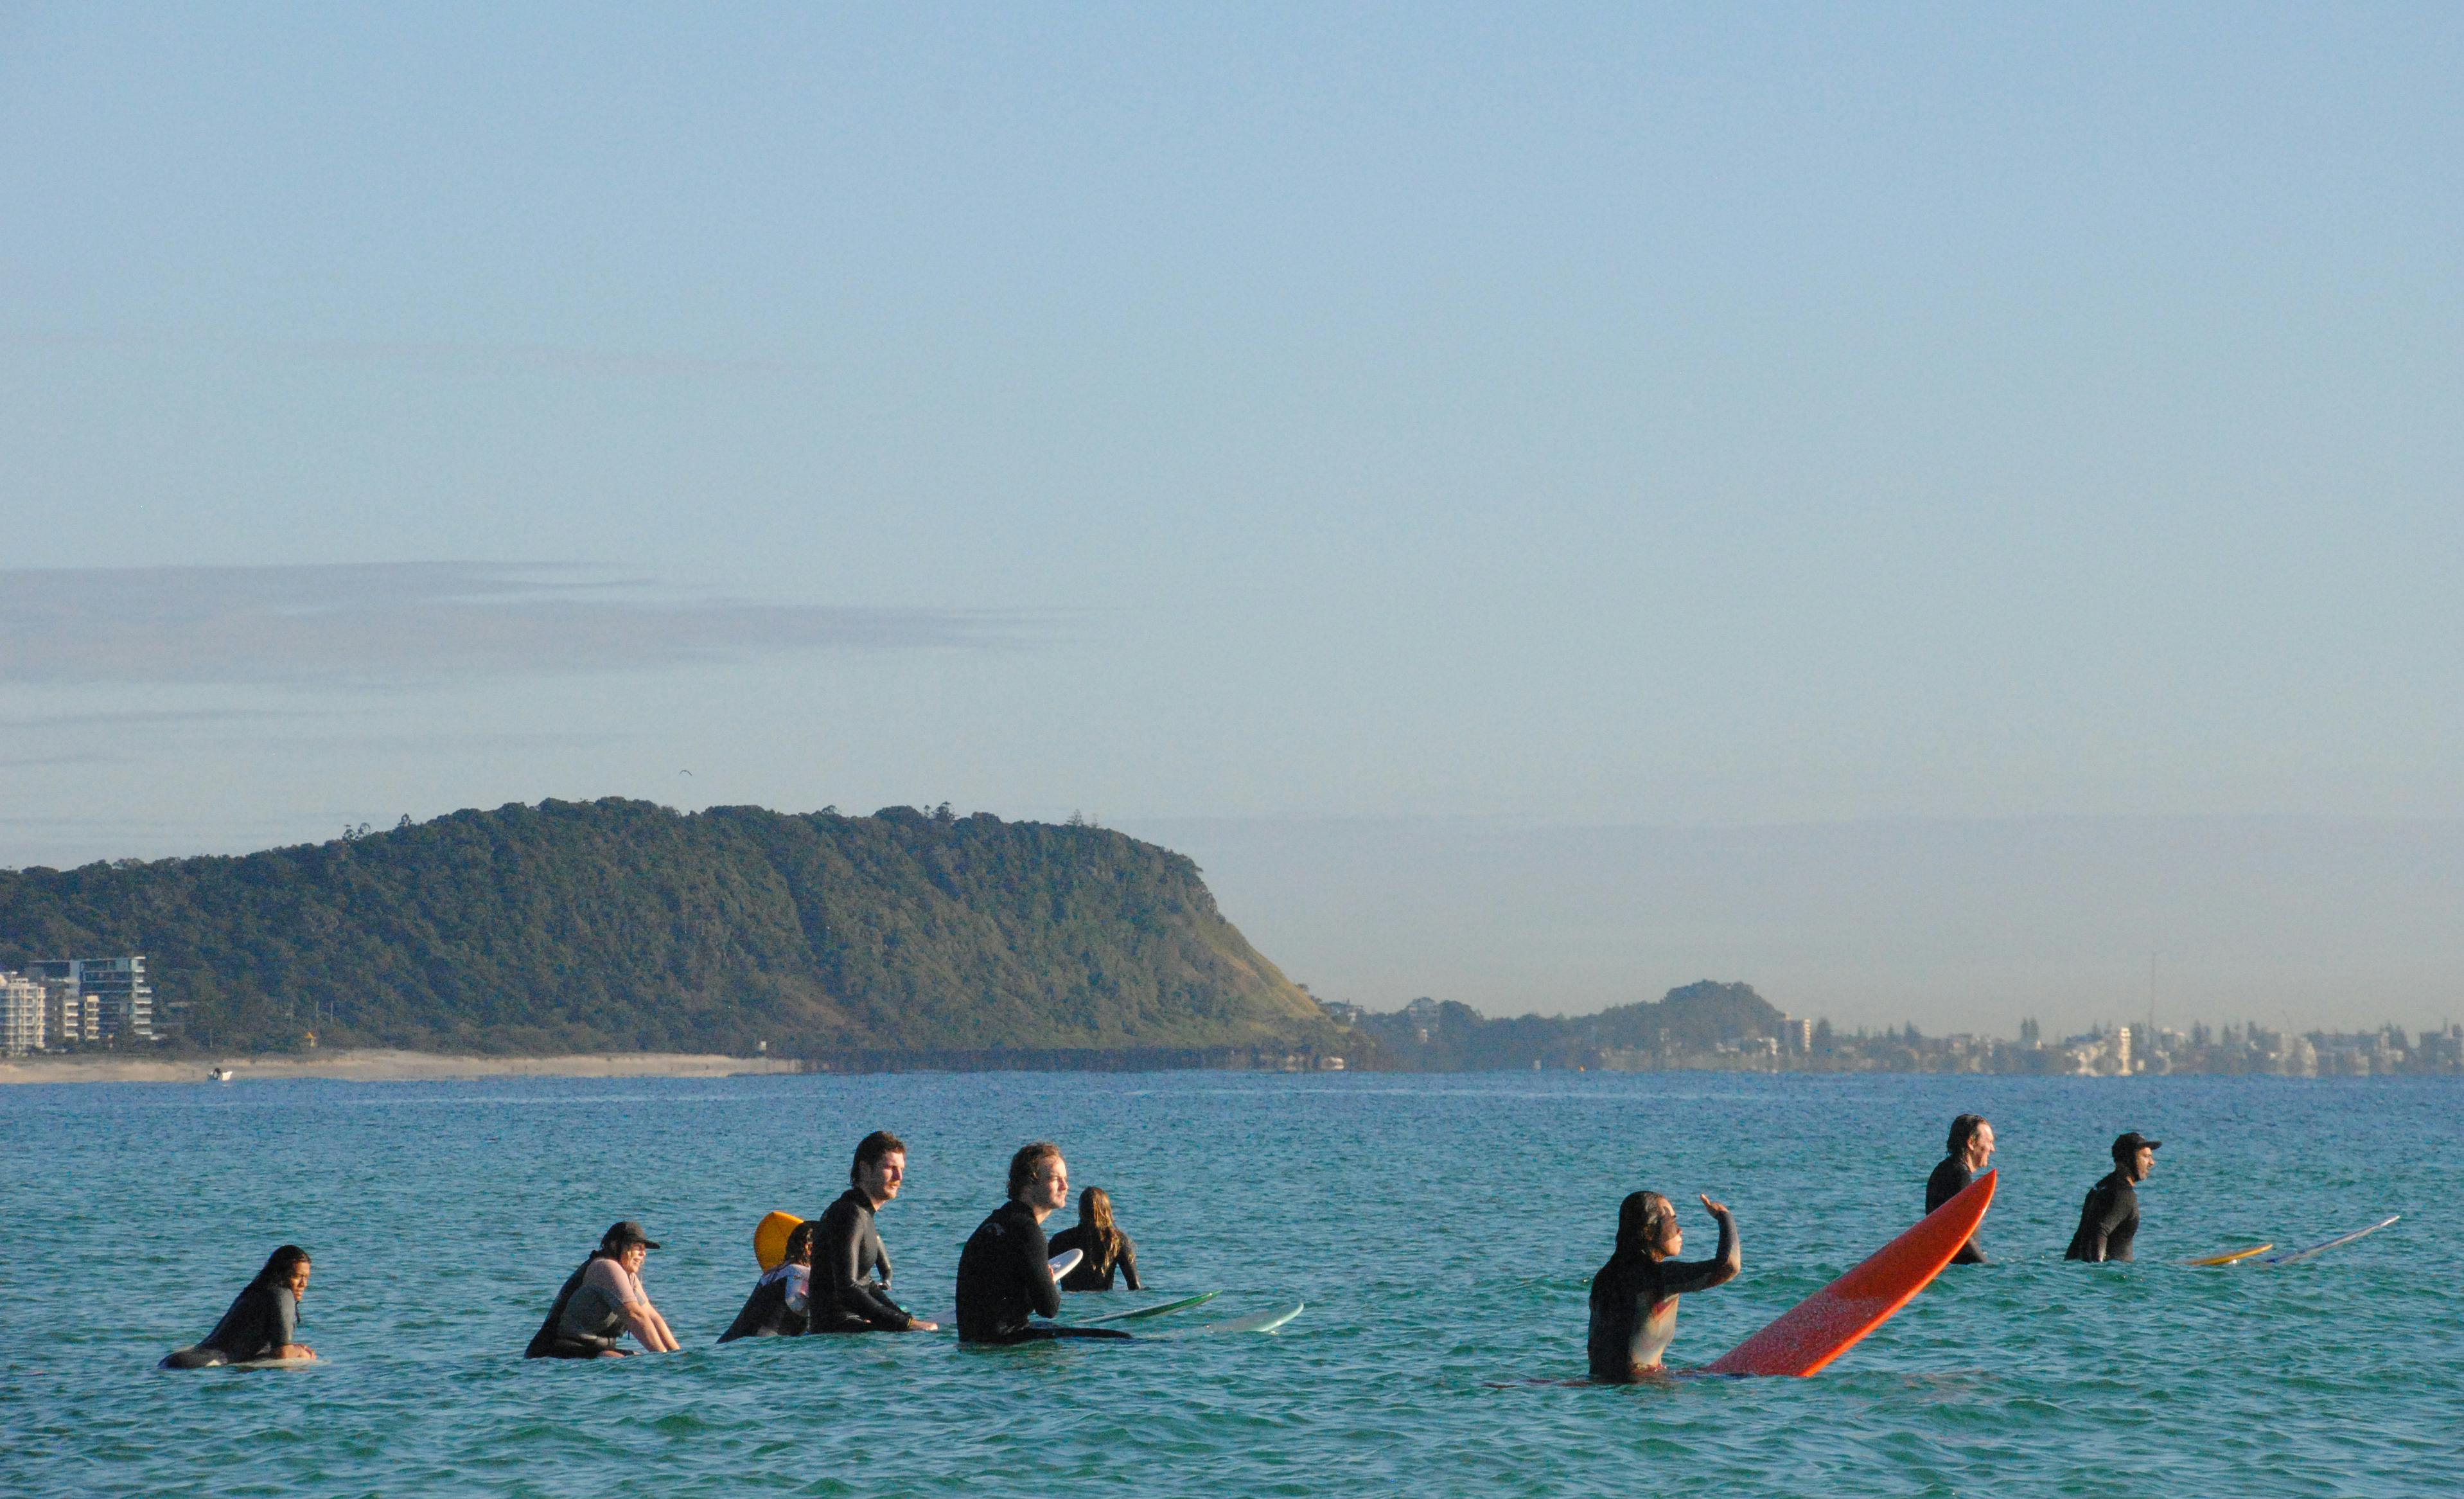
1158, 1309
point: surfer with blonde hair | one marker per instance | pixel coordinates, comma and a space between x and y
1633, 1296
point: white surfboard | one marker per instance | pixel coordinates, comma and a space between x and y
1265, 1321
2297, 1256
1066, 1261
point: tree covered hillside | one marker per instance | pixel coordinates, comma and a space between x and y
623, 925
1695, 1022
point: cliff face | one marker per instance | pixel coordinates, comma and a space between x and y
621, 925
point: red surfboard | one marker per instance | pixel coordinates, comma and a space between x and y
1831, 1320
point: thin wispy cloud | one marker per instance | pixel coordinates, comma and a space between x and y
403, 623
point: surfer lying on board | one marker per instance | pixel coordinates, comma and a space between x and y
1634, 1297
2109, 1218
1967, 1153
1004, 1273
604, 1300
850, 1263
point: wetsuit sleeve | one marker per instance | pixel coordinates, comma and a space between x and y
1130, 1264
1676, 1278
284, 1326
1042, 1288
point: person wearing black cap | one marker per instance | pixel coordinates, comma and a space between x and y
604, 1300
2109, 1218
1967, 1150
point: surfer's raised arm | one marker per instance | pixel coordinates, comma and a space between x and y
1729, 1259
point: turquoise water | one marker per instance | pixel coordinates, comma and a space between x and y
1441, 1229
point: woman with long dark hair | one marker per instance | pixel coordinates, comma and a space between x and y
1633, 1296
263, 1322
1105, 1247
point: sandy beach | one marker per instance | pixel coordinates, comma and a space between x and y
381, 1067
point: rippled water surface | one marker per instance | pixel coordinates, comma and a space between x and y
1442, 1231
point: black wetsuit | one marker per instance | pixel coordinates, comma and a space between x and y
1092, 1274
1949, 1179
766, 1312
2109, 1220
1633, 1304
262, 1320
1005, 1280
554, 1340
851, 1271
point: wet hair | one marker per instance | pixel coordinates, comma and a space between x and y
1642, 1222
871, 1149
800, 1241
1028, 1165
1963, 1130
279, 1265
1096, 1229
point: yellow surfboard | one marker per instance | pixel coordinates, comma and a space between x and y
2227, 1258
770, 1239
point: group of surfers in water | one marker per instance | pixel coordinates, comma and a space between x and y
837, 1272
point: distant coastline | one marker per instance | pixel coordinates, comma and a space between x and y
381, 1066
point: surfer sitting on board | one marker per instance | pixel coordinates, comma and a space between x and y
1634, 1297
850, 1264
2109, 1218
1107, 1248
782, 1299
1969, 1148
1005, 1277
604, 1300
263, 1322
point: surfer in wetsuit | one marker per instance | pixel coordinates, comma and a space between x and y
602, 1301
781, 1301
263, 1321
850, 1264
1969, 1148
2109, 1218
1102, 1244
1633, 1296
1004, 1273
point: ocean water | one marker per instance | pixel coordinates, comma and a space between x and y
1441, 1230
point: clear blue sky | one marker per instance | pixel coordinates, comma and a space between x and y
1253, 419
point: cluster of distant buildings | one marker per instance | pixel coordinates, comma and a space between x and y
2134, 1051
1713, 1028
60, 1003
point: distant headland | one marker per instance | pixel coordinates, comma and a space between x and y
619, 938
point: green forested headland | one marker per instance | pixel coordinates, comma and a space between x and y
618, 925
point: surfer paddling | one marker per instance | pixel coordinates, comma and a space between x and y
1633, 1296
1005, 1277
850, 1264
1968, 1150
2109, 1218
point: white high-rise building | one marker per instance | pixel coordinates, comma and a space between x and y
21, 1014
